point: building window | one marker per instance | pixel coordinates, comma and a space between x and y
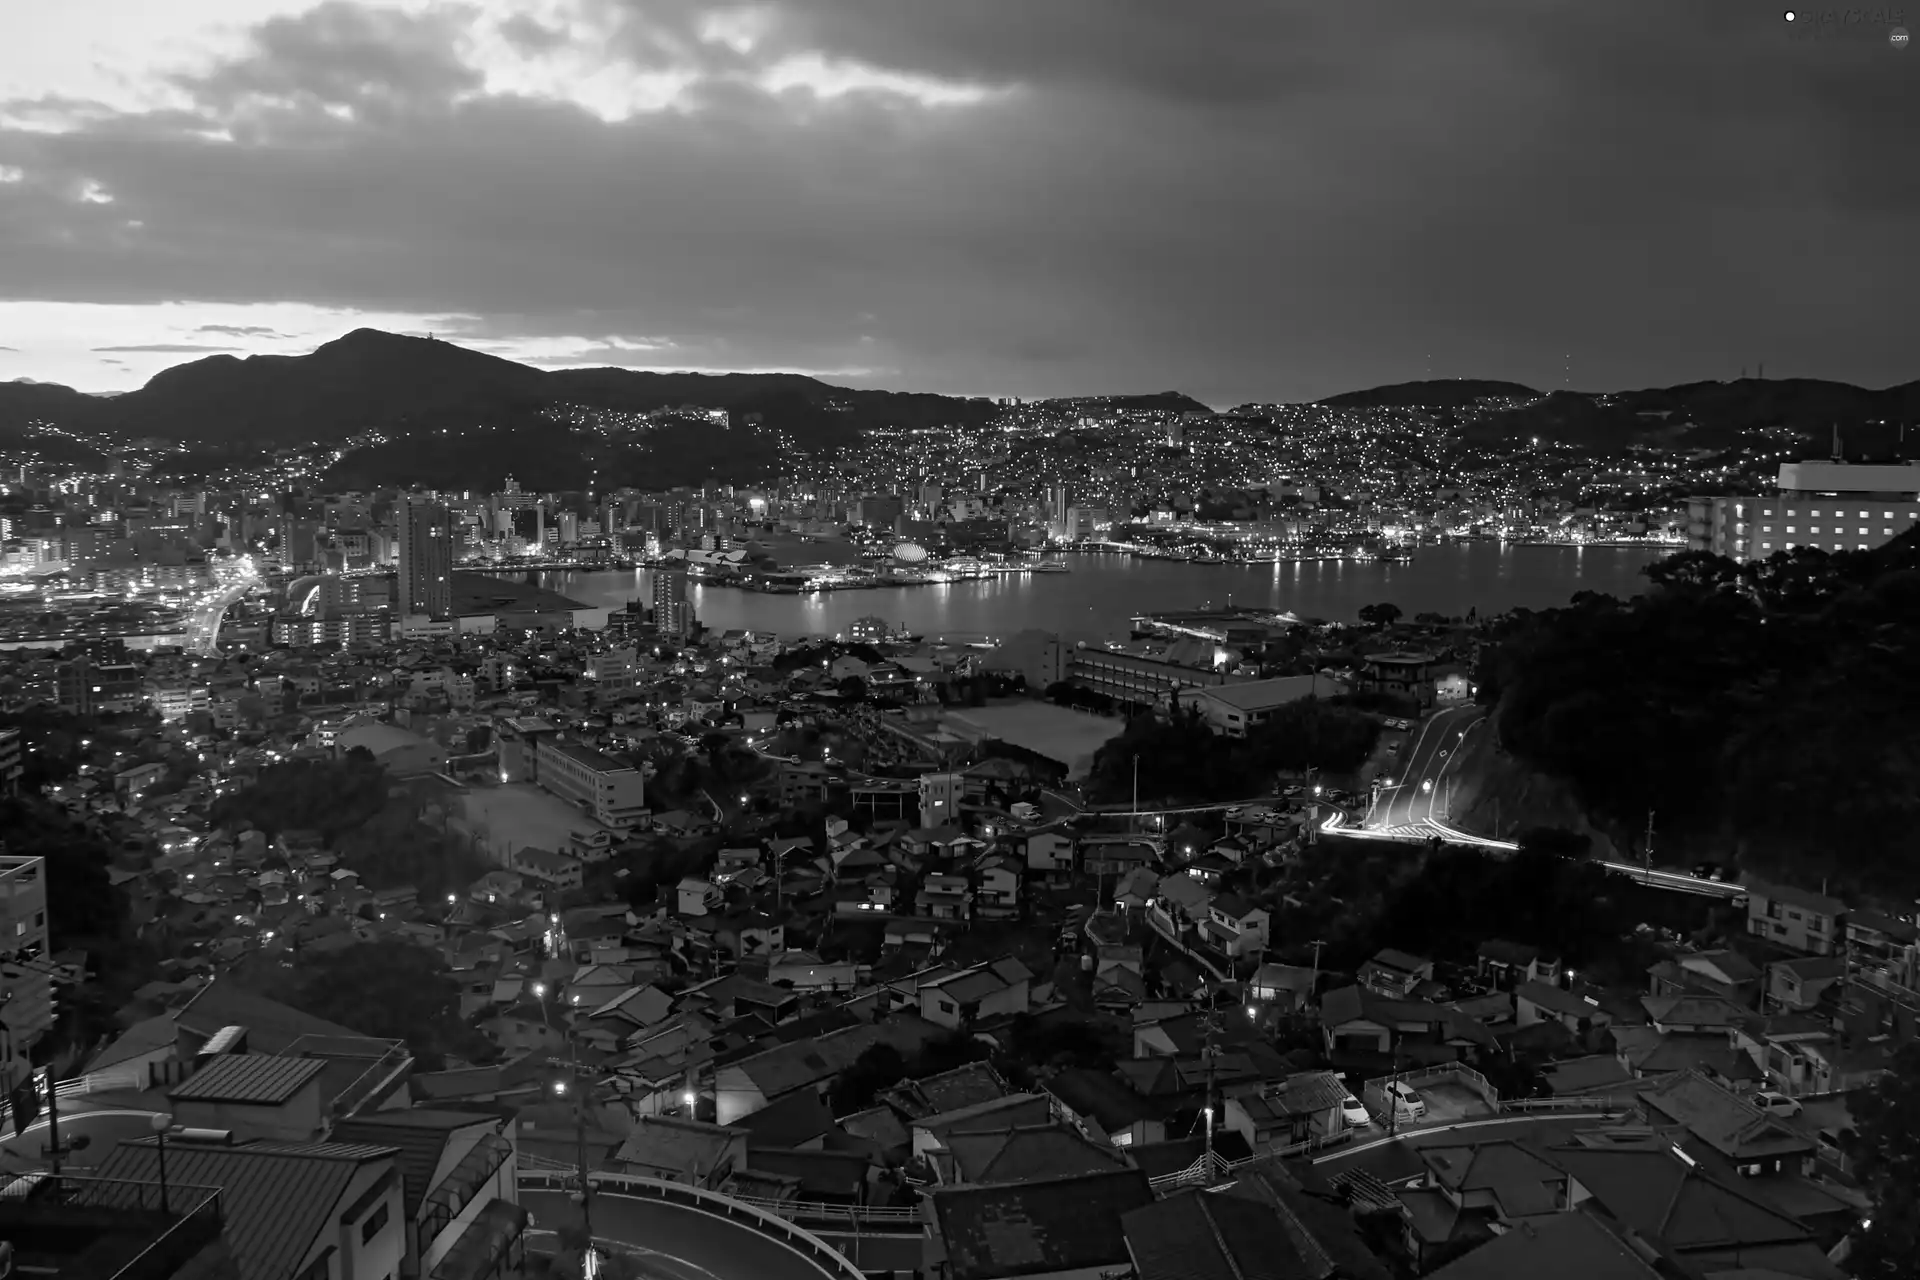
319, 1270
371, 1227
1790, 529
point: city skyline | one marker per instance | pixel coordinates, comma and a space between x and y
1283, 204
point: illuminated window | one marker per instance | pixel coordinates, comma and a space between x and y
1789, 528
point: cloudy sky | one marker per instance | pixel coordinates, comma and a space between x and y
1242, 199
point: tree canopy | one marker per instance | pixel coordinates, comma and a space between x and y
328, 796
1770, 709
390, 990
1887, 1157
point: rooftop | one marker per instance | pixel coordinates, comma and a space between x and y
1035, 1228
278, 1198
254, 1079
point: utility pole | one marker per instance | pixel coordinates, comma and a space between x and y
1317, 944
1646, 852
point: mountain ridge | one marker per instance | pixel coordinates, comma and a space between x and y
368, 379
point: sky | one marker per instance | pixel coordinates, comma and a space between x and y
1246, 200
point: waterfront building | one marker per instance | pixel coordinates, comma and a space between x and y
26, 965
426, 560
672, 611
1830, 506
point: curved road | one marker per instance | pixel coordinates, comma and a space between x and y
1420, 794
676, 1243
104, 1130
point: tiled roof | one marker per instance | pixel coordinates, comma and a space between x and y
1028, 1153
1653, 1191
277, 1198
1038, 1227
257, 1079
1566, 1246
1198, 1236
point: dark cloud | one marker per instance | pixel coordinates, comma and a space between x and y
1281, 201
240, 330
183, 348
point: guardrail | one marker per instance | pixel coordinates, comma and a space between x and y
818, 1211
800, 1240
1593, 1102
130, 1079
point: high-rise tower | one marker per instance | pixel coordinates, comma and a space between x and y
426, 560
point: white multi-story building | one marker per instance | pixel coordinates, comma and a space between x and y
26, 964
1831, 506
612, 791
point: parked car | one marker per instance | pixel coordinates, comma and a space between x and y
1778, 1104
1353, 1113
1406, 1102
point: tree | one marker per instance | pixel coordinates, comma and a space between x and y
853, 689
389, 990
1381, 615
1887, 1158
878, 1067
1555, 841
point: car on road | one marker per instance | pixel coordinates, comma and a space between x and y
1353, 1114
1406, 1103
1777, 1104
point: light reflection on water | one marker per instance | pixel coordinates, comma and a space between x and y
1103, 592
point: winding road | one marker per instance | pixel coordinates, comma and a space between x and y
676, 1243
1418, 798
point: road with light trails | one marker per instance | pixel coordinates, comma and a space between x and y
677, 1243
1418, 796
103, 1129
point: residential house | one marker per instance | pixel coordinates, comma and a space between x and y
1560, 1244
1795, 918
759, 1079
1358, 1020
1692, 1015
998, 892
1465, 1189
1723, 973
685, 1151
997, 989
1101, 857
1798, 985
944, 896
1536, 1002
933, 1135
1263, 1224
1103, 1108
1302, 1108
1235, 926
1288, 987
458, 1176
1708, 1222
556, 871
1752, 1141
1395, 974
1050, 854
1505, 965
1027, 1153
299, 1210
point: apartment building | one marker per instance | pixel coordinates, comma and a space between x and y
1831, 506
1795, 918
26, 964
